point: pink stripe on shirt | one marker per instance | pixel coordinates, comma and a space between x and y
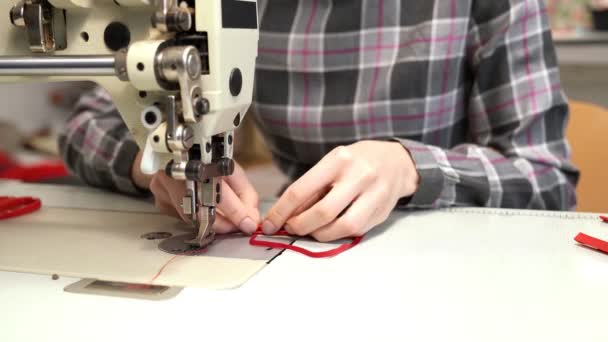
306, 100
372, 89
329, 52
446, 71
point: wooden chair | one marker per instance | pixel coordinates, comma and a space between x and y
588, 135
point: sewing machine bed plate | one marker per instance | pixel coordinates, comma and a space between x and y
69, 237
445, 275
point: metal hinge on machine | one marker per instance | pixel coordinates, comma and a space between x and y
45, 24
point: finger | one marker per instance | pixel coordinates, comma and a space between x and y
327, 209
355, 220
167, 209
319, 177
223, 226
251, 205
241, 186
163, 203
156, 187
235, 211
311, 201
307, 205
162, 200
176, 190
379, 216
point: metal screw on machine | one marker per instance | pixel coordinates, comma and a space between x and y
201, 106
170, 17
188, 137
193, 64
17, 15
184, 135
180, 67
179, 21
193, 68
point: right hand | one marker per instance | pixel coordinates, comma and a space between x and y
237, 210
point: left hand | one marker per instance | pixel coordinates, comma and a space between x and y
351, 190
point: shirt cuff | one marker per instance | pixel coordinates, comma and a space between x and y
121, 169
432, 177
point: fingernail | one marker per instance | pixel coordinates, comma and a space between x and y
247, 225
268, 227
288, 228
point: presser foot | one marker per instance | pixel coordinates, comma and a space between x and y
206, 234
194, 243
180, 245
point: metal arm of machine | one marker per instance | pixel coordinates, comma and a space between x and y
57, 65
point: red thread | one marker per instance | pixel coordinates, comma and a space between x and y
163, 268
259, 243
150, 282
324, 254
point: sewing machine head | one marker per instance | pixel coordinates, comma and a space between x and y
180, 74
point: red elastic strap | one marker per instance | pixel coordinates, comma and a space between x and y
17, 206
279, 245
604, 218
592, 242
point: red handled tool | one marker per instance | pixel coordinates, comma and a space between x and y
11, 169
17, 206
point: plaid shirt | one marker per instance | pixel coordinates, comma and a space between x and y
470, 88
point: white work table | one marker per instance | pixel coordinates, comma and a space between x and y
452, 275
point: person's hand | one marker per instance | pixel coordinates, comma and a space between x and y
237, 210
350, 191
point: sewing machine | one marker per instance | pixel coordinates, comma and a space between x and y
180, 74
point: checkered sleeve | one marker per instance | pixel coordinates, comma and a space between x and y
97, 146
518, 156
